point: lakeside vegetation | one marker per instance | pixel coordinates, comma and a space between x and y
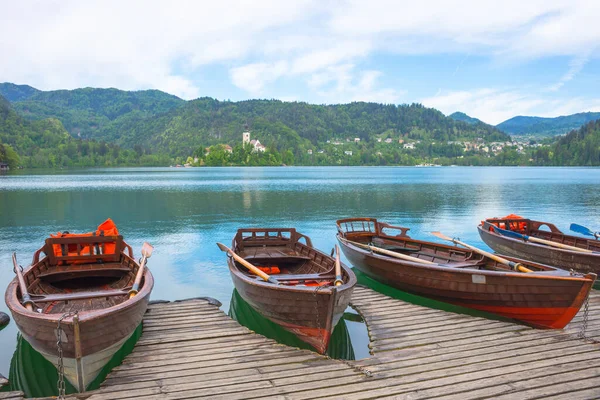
109, 127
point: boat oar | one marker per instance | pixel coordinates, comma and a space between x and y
24, 293
388, 252
146, 254
338, 267
584, 231
515, 266
516, 235
246, 264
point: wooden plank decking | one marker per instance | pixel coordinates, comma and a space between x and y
8, 395
192, 349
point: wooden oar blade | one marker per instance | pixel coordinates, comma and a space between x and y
581, 229
442, 236
147, 249
507, 233
223, 247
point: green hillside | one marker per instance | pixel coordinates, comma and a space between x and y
460, 116
580, 147
294, 126
46, 143
89, 113
12, 92
538, 126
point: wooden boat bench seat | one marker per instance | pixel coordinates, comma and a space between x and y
462, 265
78, 296
302, 277
83, 270
258, 253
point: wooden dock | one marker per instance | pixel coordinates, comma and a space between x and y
191, 349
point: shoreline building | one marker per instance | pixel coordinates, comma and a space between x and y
254, 142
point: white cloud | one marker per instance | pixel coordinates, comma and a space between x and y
253, 77
342, 84
133, 45
575, 67
169, 46
497, 105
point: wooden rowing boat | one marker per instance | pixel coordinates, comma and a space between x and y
306, 301
542, 253
547, 297
85, 282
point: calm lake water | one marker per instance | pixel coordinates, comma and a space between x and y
183, 212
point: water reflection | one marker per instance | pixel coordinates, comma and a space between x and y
340, 345
35, 376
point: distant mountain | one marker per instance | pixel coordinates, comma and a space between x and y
460, 116
538, 126
12, 92
165, 124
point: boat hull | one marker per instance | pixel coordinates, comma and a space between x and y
89, 366
561, 258
310, 313
543, 302
102, 332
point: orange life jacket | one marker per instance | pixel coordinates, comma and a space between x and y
512, 226
107, 228
271, 270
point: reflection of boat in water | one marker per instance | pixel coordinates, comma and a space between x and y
35, 376
340, 345
82, 300
4, 320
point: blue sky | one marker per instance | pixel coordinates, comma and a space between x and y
490, 59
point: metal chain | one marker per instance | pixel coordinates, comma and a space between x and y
60, 364
582, 332
586, 309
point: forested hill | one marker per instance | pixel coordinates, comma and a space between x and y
580, 147
89, 112
461, 116
285, 125
538, 126
46, 143
12, 92
162, 123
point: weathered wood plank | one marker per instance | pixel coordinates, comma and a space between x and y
592, 393
11, 395
193, 350
437, 378
510, 383
308, 372
564, 388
